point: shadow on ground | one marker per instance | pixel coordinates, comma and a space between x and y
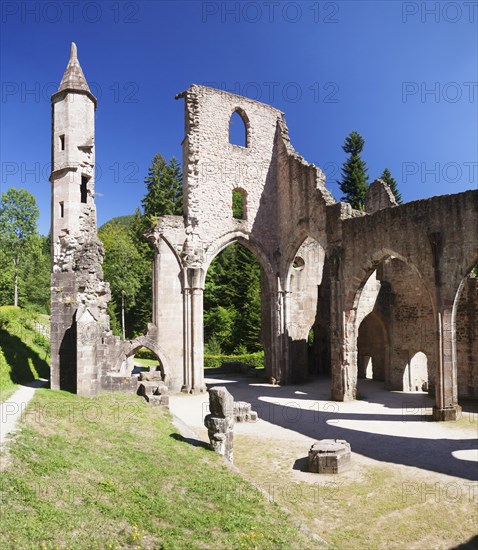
21, 359
190, 441
359, 424
472, 544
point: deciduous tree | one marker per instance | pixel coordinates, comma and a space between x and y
18, 226
123, 266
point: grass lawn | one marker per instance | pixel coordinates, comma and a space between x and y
112, 472
146, 362
373, 508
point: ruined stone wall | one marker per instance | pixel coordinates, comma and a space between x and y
63, 332
394, 269
302, 201
413, 324
467, 339
437, 237
404, 232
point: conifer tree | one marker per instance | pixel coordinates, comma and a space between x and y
164, 185
392, 183
232, 301
354, 182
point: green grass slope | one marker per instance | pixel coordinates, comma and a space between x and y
112, 472
24, 352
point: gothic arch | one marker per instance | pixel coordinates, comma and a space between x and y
172, 249
373, 341
365, 271
464, 348
243, 238
375, 291
130, 347
291, 253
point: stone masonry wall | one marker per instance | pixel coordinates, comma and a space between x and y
467, 339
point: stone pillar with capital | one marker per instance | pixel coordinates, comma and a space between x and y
192, 256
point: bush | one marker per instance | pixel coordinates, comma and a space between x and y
213, 347
8, 315
41, 341
255, 360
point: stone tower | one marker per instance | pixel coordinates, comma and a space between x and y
79, 322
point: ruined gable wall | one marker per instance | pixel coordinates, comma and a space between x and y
302, 200
213, 167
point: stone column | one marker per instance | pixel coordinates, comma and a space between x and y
280, 365
197, 332
187, 382
192, 256
155, 283
446, 390
343, 352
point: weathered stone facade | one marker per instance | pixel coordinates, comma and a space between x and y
386, 287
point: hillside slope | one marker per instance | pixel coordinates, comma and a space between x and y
112, 472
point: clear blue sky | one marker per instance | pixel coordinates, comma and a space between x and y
403, 75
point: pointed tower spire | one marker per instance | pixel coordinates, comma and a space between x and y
74, 79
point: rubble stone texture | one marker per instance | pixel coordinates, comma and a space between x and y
329, 456
220, 421
385, 291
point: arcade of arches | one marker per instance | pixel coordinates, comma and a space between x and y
384, 293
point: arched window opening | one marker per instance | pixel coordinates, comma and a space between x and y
239, 206
238, 129
415, 376
372, 348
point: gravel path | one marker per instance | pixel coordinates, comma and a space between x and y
12, 409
